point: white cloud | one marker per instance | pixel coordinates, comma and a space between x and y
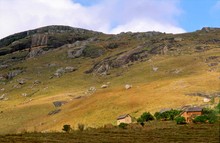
109, 16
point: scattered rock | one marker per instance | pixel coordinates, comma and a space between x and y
104, 86
21, 81
178, 39
155, 69
3, 66
2, 89
2, 97
59, 72
212, 64
51, 65
24, 94
54, 112
59, 103
13, 73
70, 69
128, 86
37, 82
75, 53
34, 52
206, 100
92, 89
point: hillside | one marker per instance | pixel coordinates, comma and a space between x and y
70, 66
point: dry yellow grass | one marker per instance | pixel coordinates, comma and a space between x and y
151, 92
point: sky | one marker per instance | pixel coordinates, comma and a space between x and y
110, 16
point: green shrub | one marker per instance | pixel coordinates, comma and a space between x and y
211, 115
123, 125
92, 51
81, 127
67, 128
167, 115
180, 120
201, 119
146, 116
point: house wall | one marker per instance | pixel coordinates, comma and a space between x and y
187, 115
125, 120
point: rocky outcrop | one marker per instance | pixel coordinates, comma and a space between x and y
129, 56
34, 52
75, 53
39, 40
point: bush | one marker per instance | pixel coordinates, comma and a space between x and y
92, 51
67, 128
201, 119
81, 127
180, 120
123, 125
211, 115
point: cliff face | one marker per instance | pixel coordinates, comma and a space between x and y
39, 40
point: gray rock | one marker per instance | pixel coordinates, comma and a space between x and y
13, 73
37, 82
35, 52
70, 69
178, 39
75, 53
21, 81
59, 103
59, 72
3, 66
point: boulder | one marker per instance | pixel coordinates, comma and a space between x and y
34, 52
3, 66
59, 72
155, 69
75, 53
128, 86
24, 94
70, 69
2, 97
178, 39
59, 103
206, 100
104, 86
37, 82
21, 81
92, 88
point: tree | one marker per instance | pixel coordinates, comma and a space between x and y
146, 116
167, 115
67, 128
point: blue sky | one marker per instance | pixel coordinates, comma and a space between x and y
196, 13
110, 16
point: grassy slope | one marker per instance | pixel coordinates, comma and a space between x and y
151, 90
